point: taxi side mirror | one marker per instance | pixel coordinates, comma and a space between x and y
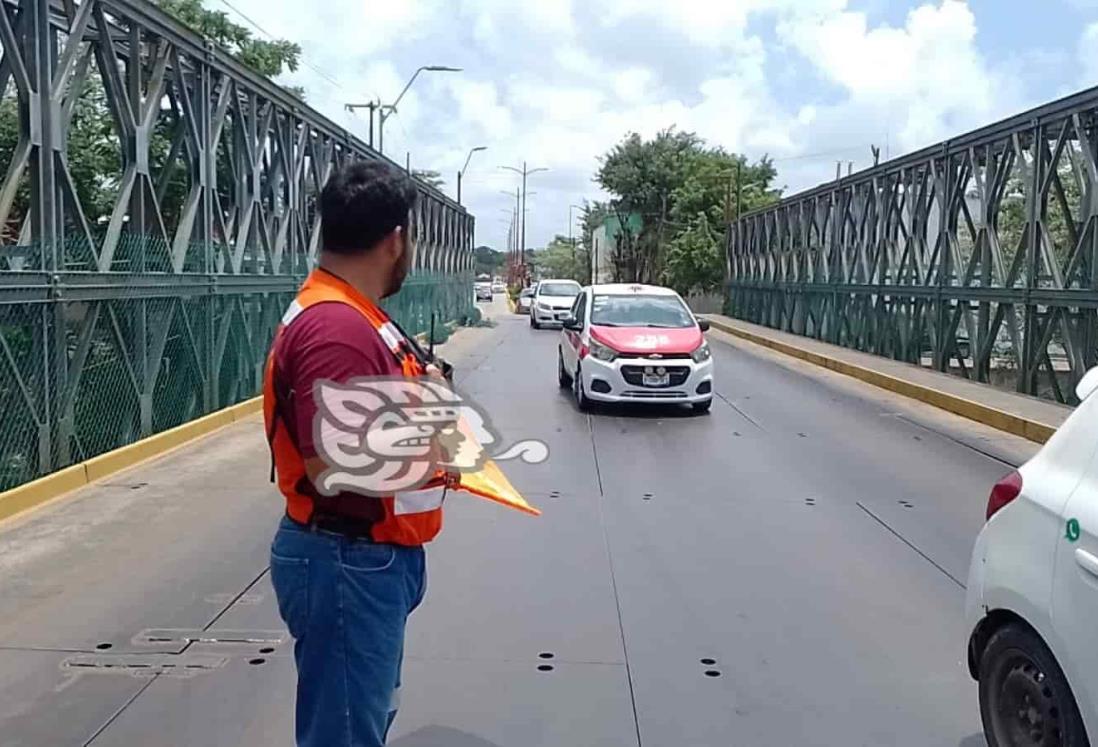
703, 325
570, 322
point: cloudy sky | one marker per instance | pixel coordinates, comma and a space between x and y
558, 82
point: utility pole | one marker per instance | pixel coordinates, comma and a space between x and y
571, 240
739, 187
373, 106
728, 200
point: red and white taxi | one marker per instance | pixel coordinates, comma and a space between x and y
634, 343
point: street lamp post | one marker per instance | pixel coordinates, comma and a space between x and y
525, 172
462, 172
387, 110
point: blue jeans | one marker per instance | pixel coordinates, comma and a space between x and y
345, 602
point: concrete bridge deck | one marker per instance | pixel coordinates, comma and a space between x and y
810, 537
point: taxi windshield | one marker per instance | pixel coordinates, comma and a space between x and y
569, 290
640, 311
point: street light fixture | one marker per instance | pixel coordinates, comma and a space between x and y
386, 110
525, 172
462, 172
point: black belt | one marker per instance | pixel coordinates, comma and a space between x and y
348, 526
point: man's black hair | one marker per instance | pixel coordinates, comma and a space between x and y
362, 203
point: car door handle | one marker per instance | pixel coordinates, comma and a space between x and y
1087, 561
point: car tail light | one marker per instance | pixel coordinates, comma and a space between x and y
1004, 492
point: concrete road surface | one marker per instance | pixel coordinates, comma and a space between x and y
786, 570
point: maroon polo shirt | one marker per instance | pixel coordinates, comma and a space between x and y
334, 342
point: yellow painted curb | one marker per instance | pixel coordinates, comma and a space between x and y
56, 484
998, 419
511, 303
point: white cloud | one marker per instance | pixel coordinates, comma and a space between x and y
1088, 54
479, 105
914, 84
707, 22
633, 84
557, 83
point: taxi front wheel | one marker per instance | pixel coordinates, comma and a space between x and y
582, 403
563, 378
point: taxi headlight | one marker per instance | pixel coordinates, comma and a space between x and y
701, 353
602, 352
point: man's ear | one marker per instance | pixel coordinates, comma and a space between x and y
394, 243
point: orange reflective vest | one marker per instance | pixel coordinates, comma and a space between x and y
412, 517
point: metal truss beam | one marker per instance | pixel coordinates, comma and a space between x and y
149, 298
977, 255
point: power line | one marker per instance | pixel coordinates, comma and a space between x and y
272, 37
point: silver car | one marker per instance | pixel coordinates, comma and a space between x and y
525, 300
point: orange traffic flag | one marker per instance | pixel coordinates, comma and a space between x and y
489, 482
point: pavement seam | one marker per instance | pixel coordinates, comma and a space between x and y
907, 542
120, 711
743, 414
614, 582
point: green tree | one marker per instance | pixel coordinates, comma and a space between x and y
268, 58
489, 261
561, 258
431, 177
677, 185
643, 176
593, 215
695, 260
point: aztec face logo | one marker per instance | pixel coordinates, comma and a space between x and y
378, 436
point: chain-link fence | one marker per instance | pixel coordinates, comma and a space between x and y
135, 367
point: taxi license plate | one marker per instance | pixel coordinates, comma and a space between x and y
656, 379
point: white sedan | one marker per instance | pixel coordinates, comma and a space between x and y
551, 302
1032, 594
634, 343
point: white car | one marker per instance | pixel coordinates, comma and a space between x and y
634, 343
552, 301
498, 287
1032, 596
484, 291
525, 300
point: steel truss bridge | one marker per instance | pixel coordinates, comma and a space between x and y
977, 255
138, 299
